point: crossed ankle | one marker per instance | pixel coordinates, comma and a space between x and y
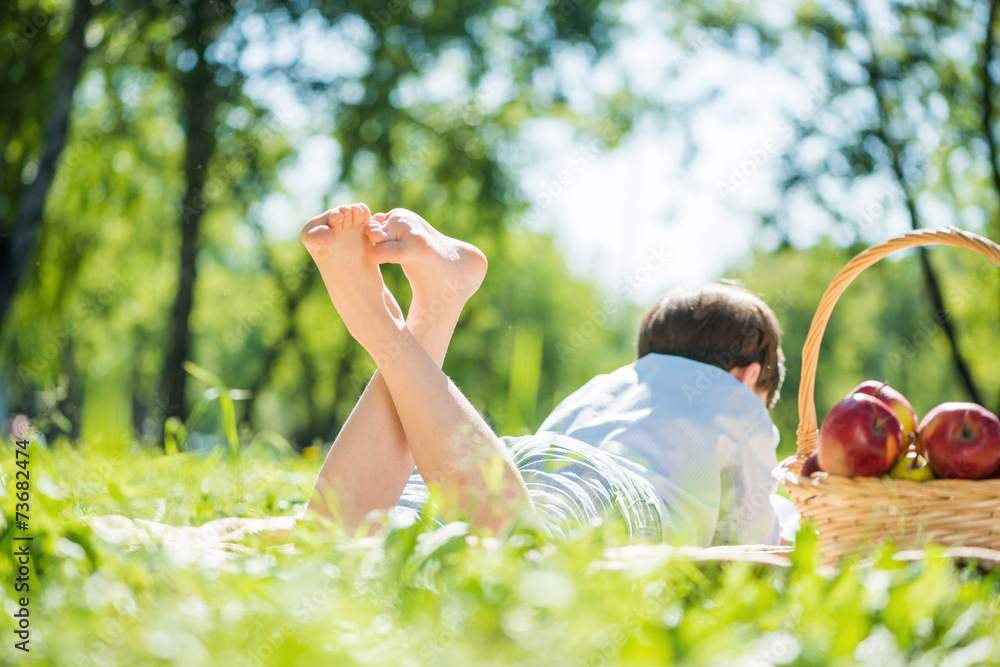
451, 294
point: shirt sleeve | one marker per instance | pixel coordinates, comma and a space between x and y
747, 516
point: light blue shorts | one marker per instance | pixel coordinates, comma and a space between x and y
572, 485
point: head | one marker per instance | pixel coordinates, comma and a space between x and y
722, 324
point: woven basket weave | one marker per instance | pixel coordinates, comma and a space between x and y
853, 514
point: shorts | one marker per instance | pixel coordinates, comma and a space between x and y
572, 485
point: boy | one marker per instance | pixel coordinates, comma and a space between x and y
691, 412
610, 449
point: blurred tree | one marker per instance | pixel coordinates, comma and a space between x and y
404, 143
199, 98
162, 252
878, 329
155, 248
900, 106
29, 150
140, 60
207, 87
986, 92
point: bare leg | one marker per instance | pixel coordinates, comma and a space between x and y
371, 460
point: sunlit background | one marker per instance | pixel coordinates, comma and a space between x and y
166, 334
599, 153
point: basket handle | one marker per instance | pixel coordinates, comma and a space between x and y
807, 434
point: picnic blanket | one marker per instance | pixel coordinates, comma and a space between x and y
219, 541
212, 543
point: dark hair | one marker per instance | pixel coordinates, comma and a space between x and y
722, 324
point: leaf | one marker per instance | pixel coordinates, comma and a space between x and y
274, 440
175, 436
202, 374
229, 422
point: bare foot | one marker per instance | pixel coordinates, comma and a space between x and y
443, 272
338, 244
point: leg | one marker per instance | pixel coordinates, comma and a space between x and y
467, 465
370, 460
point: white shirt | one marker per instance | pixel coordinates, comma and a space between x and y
703, 440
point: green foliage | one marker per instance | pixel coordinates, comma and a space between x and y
86, 350
411, 598
95, 308
897, 131
883, 327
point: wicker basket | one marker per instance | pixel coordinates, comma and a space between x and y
854, 514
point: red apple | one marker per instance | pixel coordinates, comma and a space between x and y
894, 399
961, 440
811, 465
860, 436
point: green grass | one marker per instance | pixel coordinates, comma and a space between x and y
440, 599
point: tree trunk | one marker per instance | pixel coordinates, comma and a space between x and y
988, 110
17, 249
321, 425
293, 298
986, 93
200, 101
314, 426
931, 281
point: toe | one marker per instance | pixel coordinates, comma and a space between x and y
380, 217
375, 233
358, 216
339, 217
389, 252
321, 220
397, 228
317, 239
